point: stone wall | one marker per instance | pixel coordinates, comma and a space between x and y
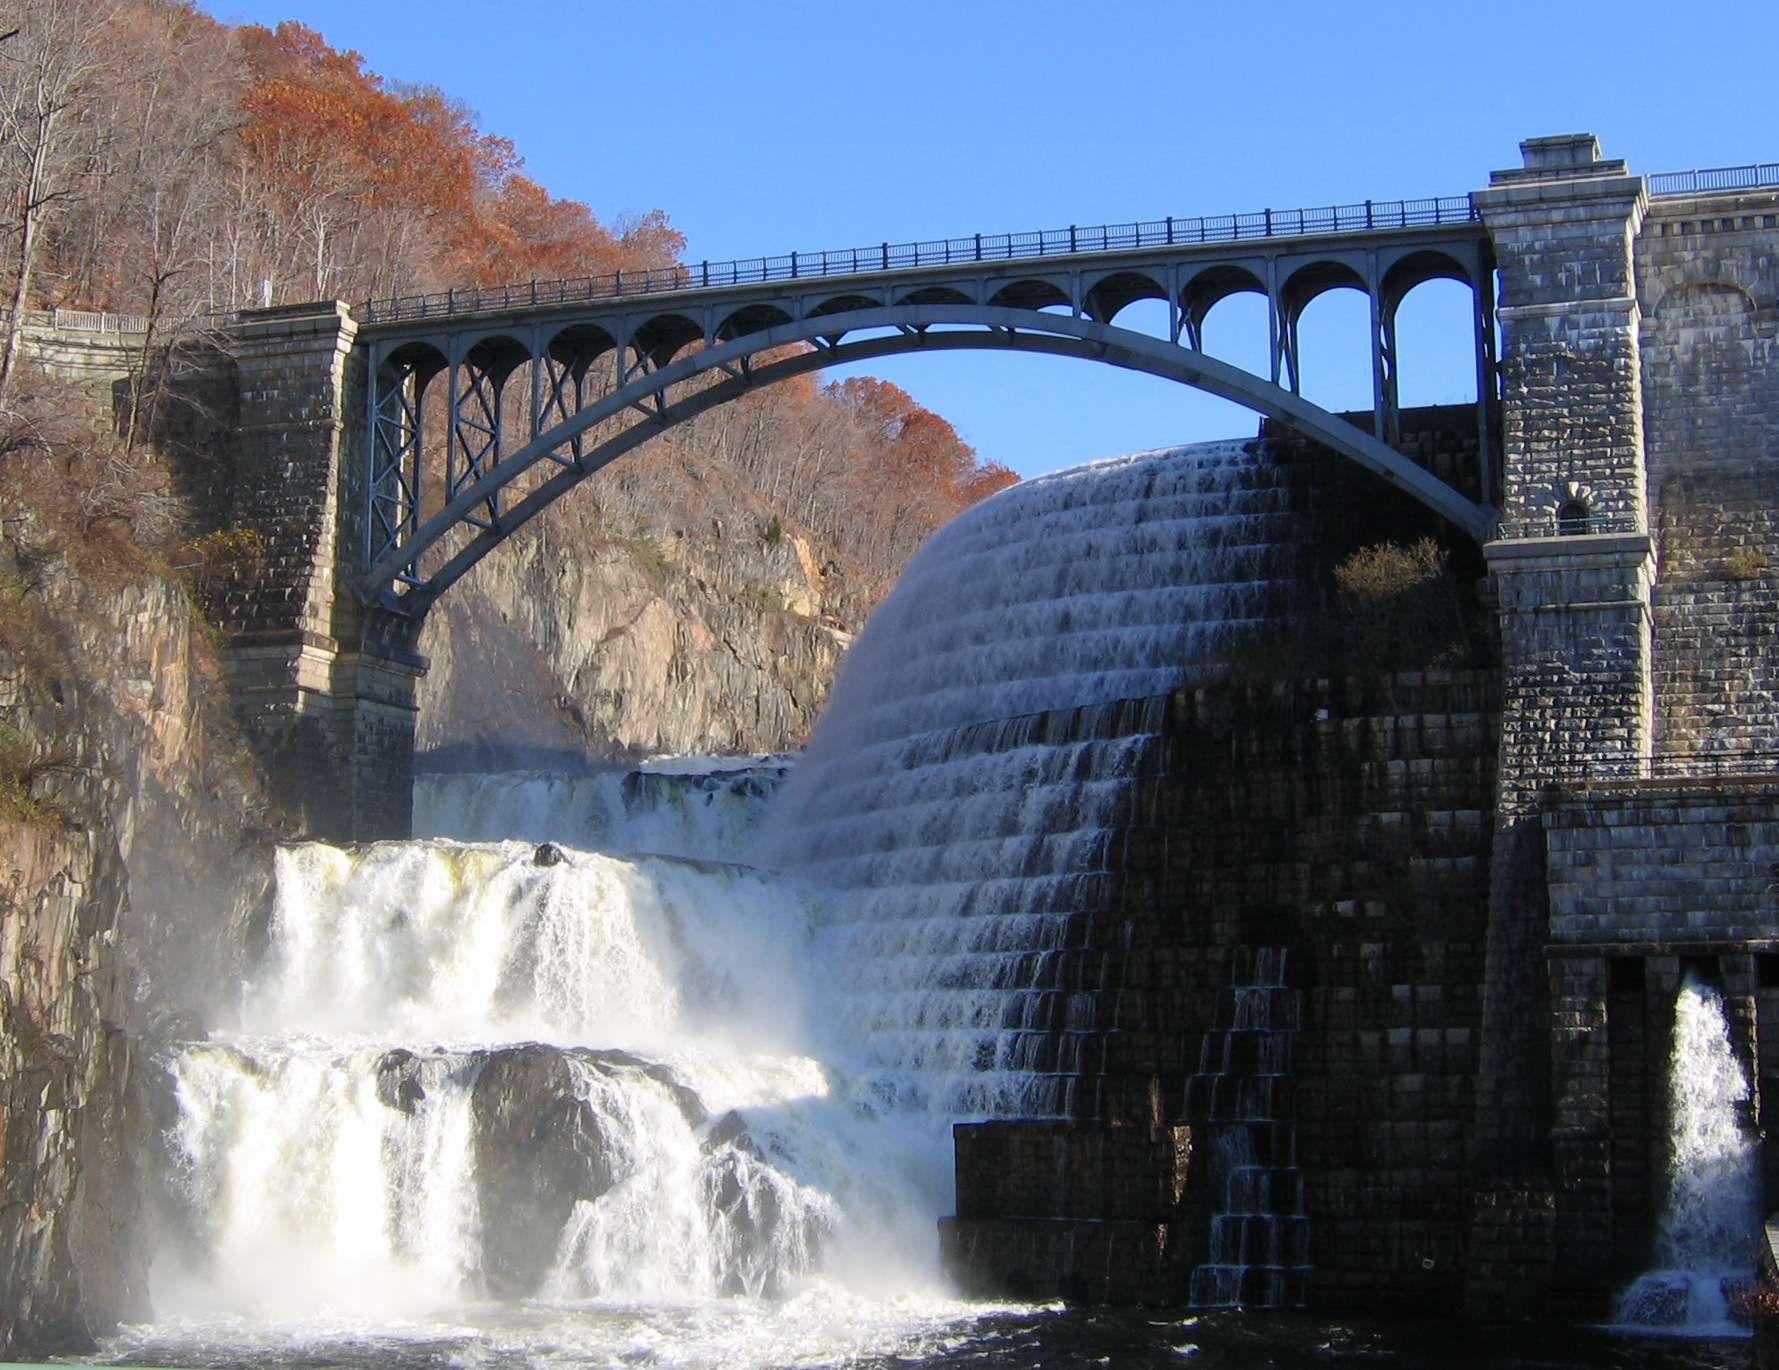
1563, 227
1063, 1210
1349, 821
1575, 634
96, 353
1708, 282
325, 690
1646, 879
1717, 622
1679, 863
1708, 289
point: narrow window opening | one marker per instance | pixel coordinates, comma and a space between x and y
1626, 974
1573, 518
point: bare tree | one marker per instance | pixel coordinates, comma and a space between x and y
175, 123
49, 79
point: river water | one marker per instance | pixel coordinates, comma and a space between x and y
658, 1068
816, 1330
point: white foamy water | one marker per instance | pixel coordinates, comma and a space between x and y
1104, 582
1711, 1217
444, 941
354, 1144
705, 807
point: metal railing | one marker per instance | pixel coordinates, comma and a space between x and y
1269, 223
1547, 526
1755, 177
83, 321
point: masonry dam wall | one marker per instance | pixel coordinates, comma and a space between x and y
1485, 887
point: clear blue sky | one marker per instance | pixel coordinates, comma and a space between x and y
765, 127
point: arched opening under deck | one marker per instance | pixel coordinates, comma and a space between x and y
681, 380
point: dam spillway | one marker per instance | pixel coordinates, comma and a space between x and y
966, 789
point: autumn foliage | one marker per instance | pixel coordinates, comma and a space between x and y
412, 192
156, 162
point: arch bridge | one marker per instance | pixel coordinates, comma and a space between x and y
380, 457
482, 407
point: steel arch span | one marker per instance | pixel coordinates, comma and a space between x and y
492, 493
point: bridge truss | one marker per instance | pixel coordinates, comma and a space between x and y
484, 407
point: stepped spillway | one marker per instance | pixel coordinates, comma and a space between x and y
980, 753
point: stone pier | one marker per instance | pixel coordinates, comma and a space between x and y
1573, 575
326, 695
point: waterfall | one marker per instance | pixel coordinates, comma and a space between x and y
962, 795
1711, 1217
620, 1067
1259, 1241
705, 807
489, 1068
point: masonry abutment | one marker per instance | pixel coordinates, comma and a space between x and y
1575, 622
327, 695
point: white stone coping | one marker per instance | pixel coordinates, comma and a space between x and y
1559, 547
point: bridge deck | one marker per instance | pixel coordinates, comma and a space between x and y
1101, 242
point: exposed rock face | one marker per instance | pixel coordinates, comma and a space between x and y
126, 872
64, 1075
720, 642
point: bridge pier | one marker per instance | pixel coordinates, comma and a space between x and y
326, 695
1573, 572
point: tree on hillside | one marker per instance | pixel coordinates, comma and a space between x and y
910, 473
170, 175
51, 73
369, 187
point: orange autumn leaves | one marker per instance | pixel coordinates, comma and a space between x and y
334, 141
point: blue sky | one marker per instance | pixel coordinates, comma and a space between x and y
762, 128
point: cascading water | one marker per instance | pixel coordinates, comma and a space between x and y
1259, 1243
700, 807
1711, 1217
980, 751
479, 1067
449, 1035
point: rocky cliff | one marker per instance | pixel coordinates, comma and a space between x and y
705, 625
128, 846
